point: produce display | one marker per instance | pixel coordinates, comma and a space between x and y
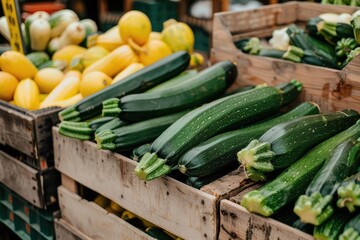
69, 60
328, 40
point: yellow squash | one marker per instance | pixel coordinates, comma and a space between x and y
114, 62
67, 53
27, 95
132, 68
93, 54
18, 65
154, 51
135, 28
110, 39
8, 84
48, 78
93, 82
67, 88
68, 102
178, 35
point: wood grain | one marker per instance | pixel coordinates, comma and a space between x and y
65, 231
95, 221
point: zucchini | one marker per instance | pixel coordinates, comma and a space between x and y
59, 64
140, 81
111, 125
352, 229
82, 130
38, 58
344, 46
216, 152
206, 86
285, 143
238, 90
158, 233
333, 227
209, 120
332, 32
273, 53
349, 193
315, 207
292, 182
139, 151
127, 137
182, 77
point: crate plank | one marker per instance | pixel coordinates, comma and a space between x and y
187, 212
96, 222
20, 178
65, 231
237, 223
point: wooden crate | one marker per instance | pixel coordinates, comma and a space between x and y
331, 89
95, 221
36, 187
65, 231
237, 223
172, 205
29, 132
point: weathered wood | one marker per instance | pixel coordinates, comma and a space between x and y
22, 179
69, 183
237, 198
95, 221
237, 223
331, 89
180, 209
65, 231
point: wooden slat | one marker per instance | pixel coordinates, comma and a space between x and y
22, 179
65, 231
95, 221
185, 211
237, 223
17, 130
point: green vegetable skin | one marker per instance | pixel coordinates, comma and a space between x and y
315, 207
292, 182
140, 81
219, 151
352, 229
208, 120
349, 193
286, 142
206, 86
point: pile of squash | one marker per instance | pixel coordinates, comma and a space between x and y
69, 60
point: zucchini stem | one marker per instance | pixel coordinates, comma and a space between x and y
349, 196
256, 159
78, 130
105, 140
111, 107
151, 167
69, 114
314, 209
350, 234
254, 202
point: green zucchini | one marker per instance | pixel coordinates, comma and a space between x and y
273, 53
333, 227
182, 77
285, 143
238, 90
38, 58
140, 81
209, 120
344, 46
139, 151
220, 150
292, 182
158, 233
315, 206
206, 86
82, 130
349, 193
127, 137
332, 32
111, 125
352, 229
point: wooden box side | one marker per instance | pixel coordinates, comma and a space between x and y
65, 231
22, 179
95, 221
237, 223
180, 209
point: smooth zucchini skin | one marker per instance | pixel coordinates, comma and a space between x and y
206, 121
206, 86
139, 151
349, 192
111, 125
285, 143
315, 206
220, 150
292, 182
129, 136
140, 81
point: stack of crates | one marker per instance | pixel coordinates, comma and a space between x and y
23, 219
158, 11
